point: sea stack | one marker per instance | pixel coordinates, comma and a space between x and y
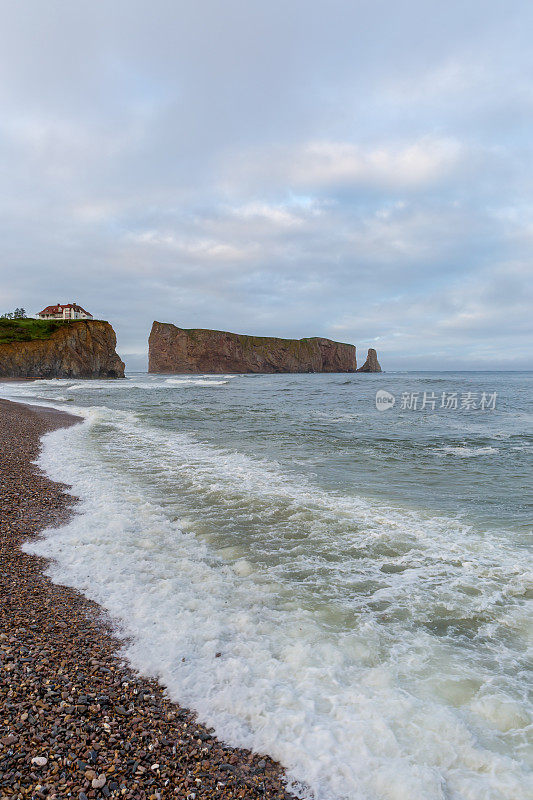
196, 350
371, 364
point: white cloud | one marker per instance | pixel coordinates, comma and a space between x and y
416, 164
314, 168
279, 215
200, 249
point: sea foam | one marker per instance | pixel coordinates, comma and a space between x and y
332, 665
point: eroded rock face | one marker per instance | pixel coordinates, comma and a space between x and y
173, 349
371, 364
81, 349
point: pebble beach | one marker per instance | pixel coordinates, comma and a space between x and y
76, 720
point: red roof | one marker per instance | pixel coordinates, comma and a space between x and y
59, 309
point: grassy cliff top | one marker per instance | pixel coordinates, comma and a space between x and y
247, 339
29, 330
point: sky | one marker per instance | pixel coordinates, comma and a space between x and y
355, 169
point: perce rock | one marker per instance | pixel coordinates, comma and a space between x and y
78, 349
175, 350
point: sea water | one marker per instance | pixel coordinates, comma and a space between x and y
364, 574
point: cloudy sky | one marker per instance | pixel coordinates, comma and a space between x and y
357, 169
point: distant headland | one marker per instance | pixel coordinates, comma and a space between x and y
57, 348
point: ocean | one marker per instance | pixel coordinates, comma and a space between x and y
341, 586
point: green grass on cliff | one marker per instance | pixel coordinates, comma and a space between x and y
249, 340
28, 330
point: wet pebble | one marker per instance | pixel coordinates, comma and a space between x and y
64, 689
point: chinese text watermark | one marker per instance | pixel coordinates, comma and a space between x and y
441, 401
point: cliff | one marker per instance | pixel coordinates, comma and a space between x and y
173, 349
79, 349
371, 364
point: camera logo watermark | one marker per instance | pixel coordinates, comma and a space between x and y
443, 401
384, 400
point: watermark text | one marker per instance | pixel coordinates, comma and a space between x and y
437, 401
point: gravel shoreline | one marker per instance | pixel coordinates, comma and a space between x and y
76, 720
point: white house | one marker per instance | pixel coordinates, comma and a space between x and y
68, 311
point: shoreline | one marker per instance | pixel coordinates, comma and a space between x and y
92, 725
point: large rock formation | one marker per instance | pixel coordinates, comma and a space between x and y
173, 349
371, 364
80, 349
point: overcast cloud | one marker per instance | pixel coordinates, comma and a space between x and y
352, 169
